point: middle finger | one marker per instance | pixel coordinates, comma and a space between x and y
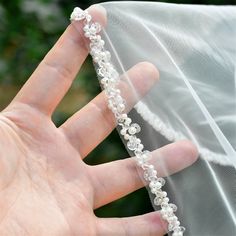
89, 126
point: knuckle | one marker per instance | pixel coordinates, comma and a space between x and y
62, 72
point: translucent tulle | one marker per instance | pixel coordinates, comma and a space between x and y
194, 49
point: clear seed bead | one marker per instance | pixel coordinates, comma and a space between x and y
138, 153
97, 39
164, 214
151, 171
132, 130
162, 181
131, 146
165, 200
155, 184
95, 51
87, 34
157, 201
114, 74
123, 131
173, 206
140, 161
169, 211
137, 127
110, 104
179, 229
140, 147
150, 167
177, 223
138, 140
118, 99
88, 18
101, 72
95, 28
86, 28
128, 121
146, 175
155, 187
121, 118
132, 143
78, 14
170, 226
142, 157
163, 194
97, 43
177, 234
164, 205
146, 155
104, 80
105, 56
120, 107
111, 92
158, 194
173, 218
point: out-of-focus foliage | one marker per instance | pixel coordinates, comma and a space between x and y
28, 29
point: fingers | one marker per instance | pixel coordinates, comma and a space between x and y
54, 75
116, 179
149, 224
88, 127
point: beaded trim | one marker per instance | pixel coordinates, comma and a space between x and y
172, 135
109, 80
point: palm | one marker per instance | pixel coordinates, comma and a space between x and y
46, 188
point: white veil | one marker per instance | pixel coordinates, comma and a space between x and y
194, 49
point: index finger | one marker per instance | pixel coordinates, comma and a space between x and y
54, 75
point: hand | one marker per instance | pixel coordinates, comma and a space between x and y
46, 188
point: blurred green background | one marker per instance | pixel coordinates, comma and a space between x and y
28, 29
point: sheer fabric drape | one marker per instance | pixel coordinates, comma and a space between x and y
194, 49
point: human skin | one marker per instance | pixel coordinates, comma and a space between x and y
46, 188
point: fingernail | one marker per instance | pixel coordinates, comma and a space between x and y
98, 8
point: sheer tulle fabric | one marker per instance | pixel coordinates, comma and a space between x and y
194, 49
